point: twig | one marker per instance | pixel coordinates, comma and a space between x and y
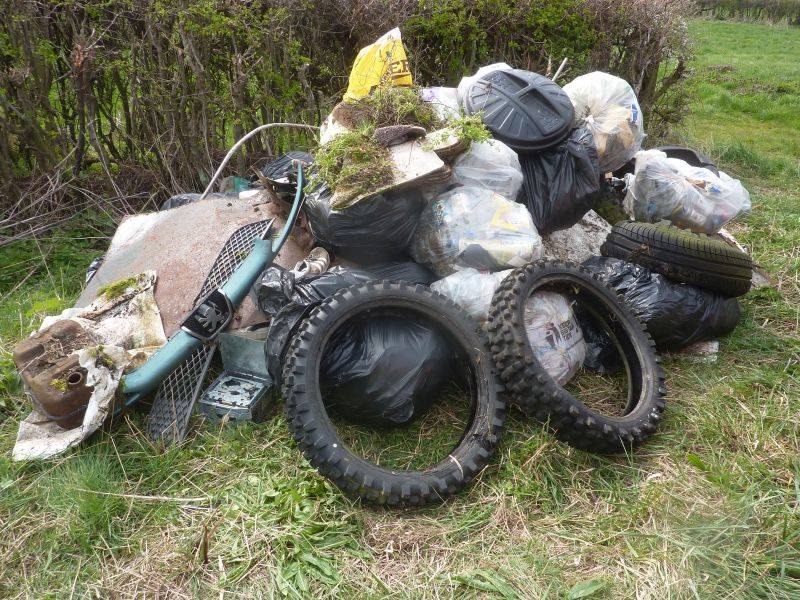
146, 498
560, 69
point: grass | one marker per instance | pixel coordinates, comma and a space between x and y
709, 508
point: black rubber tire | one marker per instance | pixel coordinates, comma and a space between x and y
317, 436
538, 395
682, 256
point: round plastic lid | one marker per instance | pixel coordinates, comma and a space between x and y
525, 110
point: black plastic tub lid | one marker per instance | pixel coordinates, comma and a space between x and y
525, 110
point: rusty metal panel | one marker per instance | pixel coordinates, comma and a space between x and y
181, 245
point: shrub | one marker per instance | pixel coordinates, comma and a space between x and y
147, 94
772, 11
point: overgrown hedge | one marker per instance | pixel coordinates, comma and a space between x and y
772, 11
147, 93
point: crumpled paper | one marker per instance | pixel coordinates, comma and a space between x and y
130, 331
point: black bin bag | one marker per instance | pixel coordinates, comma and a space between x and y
288, 301
675, 314
375, 229
407, 271
385, 370
562, 184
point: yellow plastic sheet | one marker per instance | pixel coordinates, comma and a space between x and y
383, 62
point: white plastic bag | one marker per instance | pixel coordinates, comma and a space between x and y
690, 197
607, 106
554, 335
467, 81
330, 129
475, 227
471, 290
444, 100
490, 165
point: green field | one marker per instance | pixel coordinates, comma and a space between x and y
709, 508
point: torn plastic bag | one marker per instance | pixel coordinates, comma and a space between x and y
288, 301
675, 314
601, 352
554, 335
184, 199
474, 227
375, 229
279, 287
444, 100
471, 290
282, 176
490, 165
607, 106
562, 184
281, 167
385, 370
93, 267
690, 197
690, 155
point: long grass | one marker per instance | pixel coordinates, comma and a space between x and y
709, 508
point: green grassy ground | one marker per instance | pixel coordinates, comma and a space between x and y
708, 509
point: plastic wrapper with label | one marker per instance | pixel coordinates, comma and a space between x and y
554, 335
382, 62
474, 227
562, 184
675, 314
550, 324
690, 197
385, 370
471, 290
376, 229
607, 106
490, 165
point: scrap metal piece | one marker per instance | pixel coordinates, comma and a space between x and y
182, 245
168, 420
237, 397
241, 392
210, 317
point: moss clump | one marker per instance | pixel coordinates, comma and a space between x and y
388, 105
353, 163
59, 384
104, 360
116, 289
470, 128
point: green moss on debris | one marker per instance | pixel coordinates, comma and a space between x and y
116, 289
59, 384
353, 163
470, 128
388, 105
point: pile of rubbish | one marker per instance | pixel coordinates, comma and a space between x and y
447, 236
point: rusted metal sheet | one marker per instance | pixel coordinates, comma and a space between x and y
181, 245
